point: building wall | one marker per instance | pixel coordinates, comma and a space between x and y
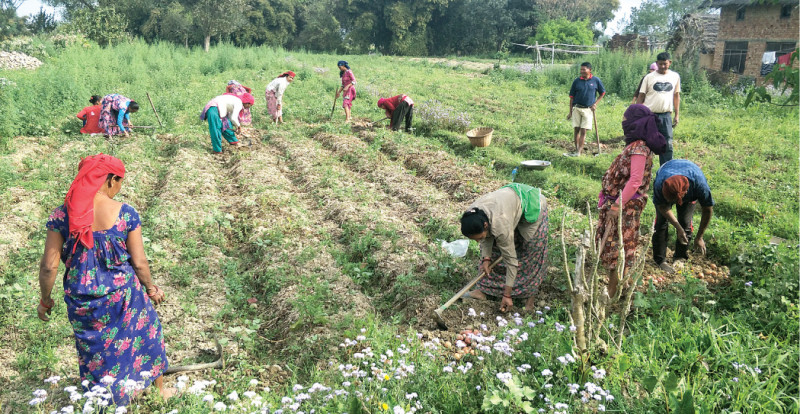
761, 24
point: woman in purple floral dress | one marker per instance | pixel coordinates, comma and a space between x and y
107, 284
115, 114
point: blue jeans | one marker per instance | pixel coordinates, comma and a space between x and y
665, 128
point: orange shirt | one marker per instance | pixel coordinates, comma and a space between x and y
91, 114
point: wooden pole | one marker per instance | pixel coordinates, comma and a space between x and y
154, 110
553, 54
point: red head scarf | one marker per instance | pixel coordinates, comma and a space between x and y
287, 73
675, 187
92, 173
381, 102
247, 99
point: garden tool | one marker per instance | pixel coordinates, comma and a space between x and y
333, 108
375, 122
154, 110
596, 134
437, 313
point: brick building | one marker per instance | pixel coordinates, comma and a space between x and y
748, 29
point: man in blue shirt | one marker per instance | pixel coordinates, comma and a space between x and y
679, 182
583, 101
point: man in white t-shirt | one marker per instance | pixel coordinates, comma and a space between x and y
661, 92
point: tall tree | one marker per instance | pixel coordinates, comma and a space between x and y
13, 25
41, 22
656, 19
172, 23
597, 11
218, 18
269, 22
318, 28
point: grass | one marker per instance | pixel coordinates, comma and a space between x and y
317, 248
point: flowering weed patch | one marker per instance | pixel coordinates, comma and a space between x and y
434, 115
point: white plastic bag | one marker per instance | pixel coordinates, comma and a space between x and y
456, 248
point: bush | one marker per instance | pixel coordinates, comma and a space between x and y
564, 31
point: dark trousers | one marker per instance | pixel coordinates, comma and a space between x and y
665, 128
661, 234
403, 111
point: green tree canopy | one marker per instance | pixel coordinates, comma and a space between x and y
562, 30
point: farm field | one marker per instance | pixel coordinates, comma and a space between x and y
311, 255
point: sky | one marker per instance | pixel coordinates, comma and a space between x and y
30, 7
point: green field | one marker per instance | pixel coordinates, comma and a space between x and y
318, 240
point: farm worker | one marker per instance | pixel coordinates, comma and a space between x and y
510, 223
653, 67
398, 108
115, 114
661, 92
586, 92
625, 183
679, 182
108, 289
237, 89
90, 116
222, 114
348, 89
274, 95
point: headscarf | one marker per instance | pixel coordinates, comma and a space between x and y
675, 187
287, 73
92, 173
233, 82
342, 63
639, 122
382, 102
654, 66
247, 99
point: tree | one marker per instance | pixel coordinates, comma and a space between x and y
101, 24
12, 24
565, 31
657, 19
41, 22
318, 28
173, 23
216, 18
596, 11
269, 22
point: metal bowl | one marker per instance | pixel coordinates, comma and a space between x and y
535, 164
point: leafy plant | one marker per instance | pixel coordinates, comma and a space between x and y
783, 78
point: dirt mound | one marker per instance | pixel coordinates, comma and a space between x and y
17, 60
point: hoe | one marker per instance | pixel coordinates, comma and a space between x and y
437, 313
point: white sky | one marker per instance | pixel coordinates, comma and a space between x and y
30, 7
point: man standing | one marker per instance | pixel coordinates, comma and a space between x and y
679, 182
582, 104
661, 92
653, 67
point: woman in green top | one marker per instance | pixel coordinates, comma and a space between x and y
510, 223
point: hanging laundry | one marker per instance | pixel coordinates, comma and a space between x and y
768, 58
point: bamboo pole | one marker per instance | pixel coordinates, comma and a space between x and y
154, 110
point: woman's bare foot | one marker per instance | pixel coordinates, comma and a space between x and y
165, 392
529, 304
474, 294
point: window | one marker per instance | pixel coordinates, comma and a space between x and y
734, 56
780, 48
740, 13
786, 11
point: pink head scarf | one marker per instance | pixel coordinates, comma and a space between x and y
92, 173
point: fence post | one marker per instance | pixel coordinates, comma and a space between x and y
553, 54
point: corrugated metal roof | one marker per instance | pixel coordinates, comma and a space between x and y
724, 3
